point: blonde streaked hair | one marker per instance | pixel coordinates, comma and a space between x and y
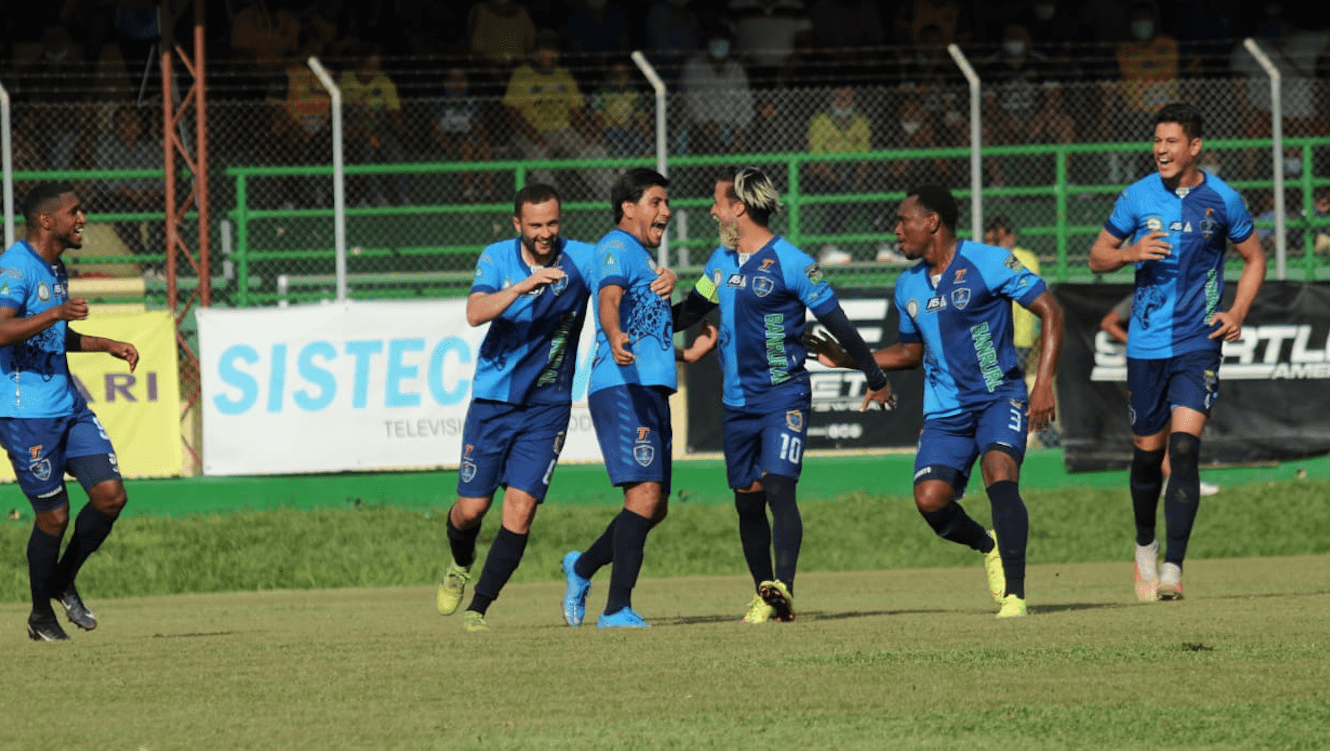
757, 192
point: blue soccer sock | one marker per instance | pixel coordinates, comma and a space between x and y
1147, 479
43, 554
91, 528
754, 534
1011, 521
503, 559
787, 526
1183, 498
952, 523
600, 554
630, 538
462, 542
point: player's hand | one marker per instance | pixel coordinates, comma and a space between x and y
827, 349
124, 351
883, 397
1152, 247
1042, 409
619, 347
539, 278
704, 343
73, 309
664, 282
1230, 326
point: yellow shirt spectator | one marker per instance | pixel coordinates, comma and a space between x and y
1024, 324
545, 100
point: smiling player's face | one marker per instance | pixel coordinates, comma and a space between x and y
647, 218
539, 227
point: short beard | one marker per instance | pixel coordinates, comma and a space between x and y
729, 235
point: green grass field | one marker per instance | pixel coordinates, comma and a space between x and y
908, 658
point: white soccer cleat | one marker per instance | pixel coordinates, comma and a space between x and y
1147, 571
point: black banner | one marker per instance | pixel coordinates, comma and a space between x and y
1274, 395
836, 421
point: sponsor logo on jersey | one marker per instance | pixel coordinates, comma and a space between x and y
960, 297
763, 285
960, 276
935, 304
766, 264
644, 453
35, 452
794, 419
558, 441
1209, 224
736, 281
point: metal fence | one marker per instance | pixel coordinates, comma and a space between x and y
429, 179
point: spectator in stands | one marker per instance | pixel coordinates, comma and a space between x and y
1295, 53
1321, 213
621, 110
128, 145
374, 132
840, 31
460, 128
913, 129
718, 103
1052, 26
946, 16
595, 27
263, 36
301, 124
839, 130
63, 140
672, 33
1001, 232
768, 33
549, 116
1147, 80
1012, 78
501, 32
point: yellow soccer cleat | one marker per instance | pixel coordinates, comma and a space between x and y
451, 588
473, 622
1013, 607
758, 611
997, 578
778, 596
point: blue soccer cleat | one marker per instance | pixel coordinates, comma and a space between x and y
622, 618
574, 598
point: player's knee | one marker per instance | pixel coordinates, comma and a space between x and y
54, 523
109, 497
1183, 447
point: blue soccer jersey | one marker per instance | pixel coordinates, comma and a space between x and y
762, 313
964, 323
644, 315
36, 370
530, 350
1176, 296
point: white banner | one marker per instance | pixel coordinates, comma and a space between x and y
353, 386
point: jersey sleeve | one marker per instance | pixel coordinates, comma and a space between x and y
1122, 222
1007, 276
709, 285
908, 331
611, 269
489, 277
14, 288
1239, 218
805, 278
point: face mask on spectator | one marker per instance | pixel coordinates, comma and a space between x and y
911, 127
1044, 11
1014, 47
719, 49
1142, 30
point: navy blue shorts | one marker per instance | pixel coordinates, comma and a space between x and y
633, 429
764, 442
1157, 387
510, 445
949, 446
41, 449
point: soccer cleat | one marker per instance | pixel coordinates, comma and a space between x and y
1147, 572
622, 618
574, 597
473, 621
451, 588
1209, 488
1170, 582
758, 611
1013, 607
75, 610
45, 628
997, 578
778, 596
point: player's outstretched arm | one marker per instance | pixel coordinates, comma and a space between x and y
76, 342
1108, 254
1229, 322
1043, 405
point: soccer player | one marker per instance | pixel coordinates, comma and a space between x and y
45, 424
764, 286
955, 319
632, 377
533, 291
1179, 221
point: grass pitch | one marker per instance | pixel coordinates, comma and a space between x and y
907, 658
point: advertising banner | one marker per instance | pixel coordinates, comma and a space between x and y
352, 386
836, 421
140, 410
1274, 382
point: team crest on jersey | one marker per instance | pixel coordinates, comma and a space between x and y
1154, 224
1209, 224
935, 304
1012, 263
763, 285
912, 308
960, 297
794, 420
468, 471
736, 281
716, 277
558, 286
814, 274
43, 292
39, 467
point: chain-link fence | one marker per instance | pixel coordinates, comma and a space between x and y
430, 176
